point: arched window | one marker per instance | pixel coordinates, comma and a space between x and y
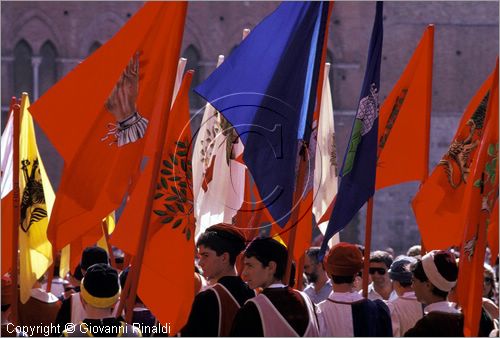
48, 67
94, 47
23, 71
193, 62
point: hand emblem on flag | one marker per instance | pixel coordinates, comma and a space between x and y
131, 126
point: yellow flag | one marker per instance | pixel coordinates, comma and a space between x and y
64, 266
37, 199
110, 221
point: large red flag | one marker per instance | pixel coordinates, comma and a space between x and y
480, 194
102, 146
404, 121
439, 206
169, 252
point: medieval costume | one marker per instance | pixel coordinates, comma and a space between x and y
214, 309
277, 311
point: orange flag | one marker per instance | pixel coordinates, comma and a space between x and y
404, 121
493, 234
101, 145
439, 206
481, 193
169, 252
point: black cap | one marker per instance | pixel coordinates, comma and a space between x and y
93, 255
101, 286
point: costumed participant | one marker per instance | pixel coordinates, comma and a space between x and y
100, 291
345, 313
71, 309
406, 310
278, 310
213, 309
433, 278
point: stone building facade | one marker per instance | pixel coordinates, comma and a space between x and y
43, 41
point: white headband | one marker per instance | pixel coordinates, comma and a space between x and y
433, 274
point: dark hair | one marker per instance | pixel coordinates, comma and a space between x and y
77, 273
313, 254
343, 279
381, 257
414, 251
265, 250
446, 266
405, 284
491, 273
222, 241
293, 271
93, 255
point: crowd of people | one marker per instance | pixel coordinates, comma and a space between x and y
412, 295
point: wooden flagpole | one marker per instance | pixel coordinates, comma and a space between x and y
105, 231
295, 213
429, 108
368, 244
302, 166
15, 210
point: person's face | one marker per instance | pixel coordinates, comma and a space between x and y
310, 269
487, 284
422, 290
211, 264
378, 273
256, 274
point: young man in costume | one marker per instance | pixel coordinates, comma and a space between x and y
100, 291
213, 310
346, 313
278, 310
433, 278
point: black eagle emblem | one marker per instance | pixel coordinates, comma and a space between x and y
33, 207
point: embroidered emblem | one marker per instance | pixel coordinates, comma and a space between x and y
332, 149
175, 192
469, 247
33, 207
208, 143
392, 118
231, 137
365, 118
459, 153
130, 125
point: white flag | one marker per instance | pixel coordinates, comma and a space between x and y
325, 173
6, 154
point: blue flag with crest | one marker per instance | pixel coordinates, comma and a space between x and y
267, 89
357, 184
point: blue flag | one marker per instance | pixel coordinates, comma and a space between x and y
266, 89
358, 170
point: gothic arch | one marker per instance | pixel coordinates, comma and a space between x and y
23, 71
48, 72
35, 27
101, 29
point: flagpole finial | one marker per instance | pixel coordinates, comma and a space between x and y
220, 60
246, 31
